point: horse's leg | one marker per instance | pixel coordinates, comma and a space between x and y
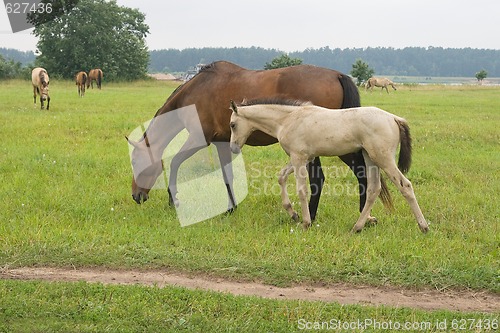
48, 102
41, 102
190, 147
300, 169
316, 181
406, 189
283, 176
356, 162
226, 166
372, 191
34, 96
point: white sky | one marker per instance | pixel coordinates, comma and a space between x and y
293, 25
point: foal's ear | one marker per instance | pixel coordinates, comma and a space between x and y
233, 107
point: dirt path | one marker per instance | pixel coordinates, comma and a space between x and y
467, 301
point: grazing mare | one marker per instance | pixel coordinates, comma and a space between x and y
306, 131
40, 82
210, 90
379, 82
95, 75
81, 79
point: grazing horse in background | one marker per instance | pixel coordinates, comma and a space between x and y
40, 82
95, 75
379, 82
81, 79
306, 131
210, 90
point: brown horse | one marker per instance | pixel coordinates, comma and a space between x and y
379, 82
81, 78
210, 90
95, 75
40, 82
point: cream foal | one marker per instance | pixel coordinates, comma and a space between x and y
305, 131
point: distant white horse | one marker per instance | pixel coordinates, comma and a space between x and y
379, 82
306, 131
40, 82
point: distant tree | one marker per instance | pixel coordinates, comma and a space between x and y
94, 33
481, 75
361, 71
283, 61
10, 69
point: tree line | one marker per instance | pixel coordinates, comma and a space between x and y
410, 61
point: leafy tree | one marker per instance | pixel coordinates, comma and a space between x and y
93, 33
361, 71
481, 75
283, 61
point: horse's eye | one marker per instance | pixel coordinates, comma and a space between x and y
232, 125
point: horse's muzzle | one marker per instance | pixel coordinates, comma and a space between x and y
140, 197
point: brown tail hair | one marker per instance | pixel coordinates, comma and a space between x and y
404, 161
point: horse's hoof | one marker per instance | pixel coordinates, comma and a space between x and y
424, 228
305, 225
356, 230
295, 217
372, 220
230, 211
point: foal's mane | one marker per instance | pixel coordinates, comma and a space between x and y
275, 101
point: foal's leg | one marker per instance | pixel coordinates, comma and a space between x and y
373, 190
285, 199
405, 187
356, 162
300, 168
226, 166
34, 95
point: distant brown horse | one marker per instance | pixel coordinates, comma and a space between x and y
95, 75
81, 79
379, 82
40, 82
210, 90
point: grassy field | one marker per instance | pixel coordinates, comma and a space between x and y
66, 203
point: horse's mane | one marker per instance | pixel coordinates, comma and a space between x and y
41, 75
275, 101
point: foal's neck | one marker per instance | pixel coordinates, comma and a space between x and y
268, 119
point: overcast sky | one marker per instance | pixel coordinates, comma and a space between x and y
293, 25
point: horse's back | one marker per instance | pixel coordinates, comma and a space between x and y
35, 75
218, 83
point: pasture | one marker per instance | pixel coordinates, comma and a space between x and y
66, 202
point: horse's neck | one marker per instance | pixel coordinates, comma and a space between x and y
268, 119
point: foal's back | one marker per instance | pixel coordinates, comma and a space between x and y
316, 131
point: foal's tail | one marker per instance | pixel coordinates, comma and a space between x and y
404, 161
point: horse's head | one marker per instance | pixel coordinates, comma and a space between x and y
44, 90
240, 129
145, 168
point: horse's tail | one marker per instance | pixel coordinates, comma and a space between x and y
99, 76
404, 161
84, 78
351, 94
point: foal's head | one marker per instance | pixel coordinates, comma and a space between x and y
240, 129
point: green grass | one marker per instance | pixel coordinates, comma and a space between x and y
66, 202
83, 307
